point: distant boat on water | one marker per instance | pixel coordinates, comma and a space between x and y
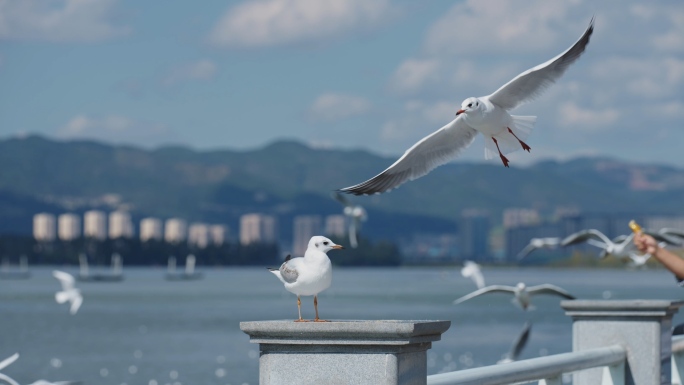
115, 275
187, 275
6, 272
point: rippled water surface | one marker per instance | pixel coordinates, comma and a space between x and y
146, 328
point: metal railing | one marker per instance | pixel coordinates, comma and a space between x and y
547, 370
677, 359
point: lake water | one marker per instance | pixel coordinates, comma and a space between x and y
146, 328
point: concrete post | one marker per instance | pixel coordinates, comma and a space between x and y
344, 352
643, 327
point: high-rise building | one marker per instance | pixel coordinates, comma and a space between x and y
150, 229
515, 217
336, 225
68, 226
44, 228
474, 234
305, 227
218, 234
175, 230
120, 225
95, 225
257, 228
198, 235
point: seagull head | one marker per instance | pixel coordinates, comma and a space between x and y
470, 105
520, 286
322, 244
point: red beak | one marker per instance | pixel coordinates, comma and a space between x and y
459, 112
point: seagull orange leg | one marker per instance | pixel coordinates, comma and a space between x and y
523, 144
299, 309
503, 158
316, 307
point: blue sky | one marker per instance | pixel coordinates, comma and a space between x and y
377, 75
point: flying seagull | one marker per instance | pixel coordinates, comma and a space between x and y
539, 243
488, 115
621, 246
5, 363
308, 275
69, 292
472, 270
521, 293
518, 345
356, 215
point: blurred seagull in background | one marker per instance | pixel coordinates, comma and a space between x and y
488, 115
356, 215
539, 243
5, 363
521, 293
674, 237
472, 270
308, 275
518, 345
621, 246
69, 292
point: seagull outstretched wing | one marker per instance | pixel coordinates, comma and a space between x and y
485, 290
531, 83
584, 236
433, 150
548, 288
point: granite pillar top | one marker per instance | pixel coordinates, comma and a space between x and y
346, 332
621, 308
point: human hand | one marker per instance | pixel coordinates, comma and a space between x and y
645, 243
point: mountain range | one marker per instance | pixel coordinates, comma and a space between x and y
288, 178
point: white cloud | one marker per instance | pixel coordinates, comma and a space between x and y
204, 69
275, 22
334, 107
114, 128
644, 77
59, 20
414, 74
571, 115
476, 26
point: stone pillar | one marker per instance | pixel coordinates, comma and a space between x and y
643, 327
344, 352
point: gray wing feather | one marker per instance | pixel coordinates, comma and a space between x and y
520, 342
550, 289
583, 236
535, 80
485, 290
288, 272
432, 151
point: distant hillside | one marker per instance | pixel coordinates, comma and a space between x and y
288, 178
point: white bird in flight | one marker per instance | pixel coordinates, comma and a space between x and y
472, 270
488, 115
539, 243
5, 363
69, 292
356, 215
521, 293
518, 345
308, 275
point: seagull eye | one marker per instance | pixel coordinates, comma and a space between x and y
477, 104
470, 105
325, 243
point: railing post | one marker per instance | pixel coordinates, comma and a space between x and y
344, 352
643, 327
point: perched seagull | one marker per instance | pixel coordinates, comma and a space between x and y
518, 345
520, 292
539, 243
5, 363
69, 292
472, 270
308, 275
488, 115
621, 247
356, 215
